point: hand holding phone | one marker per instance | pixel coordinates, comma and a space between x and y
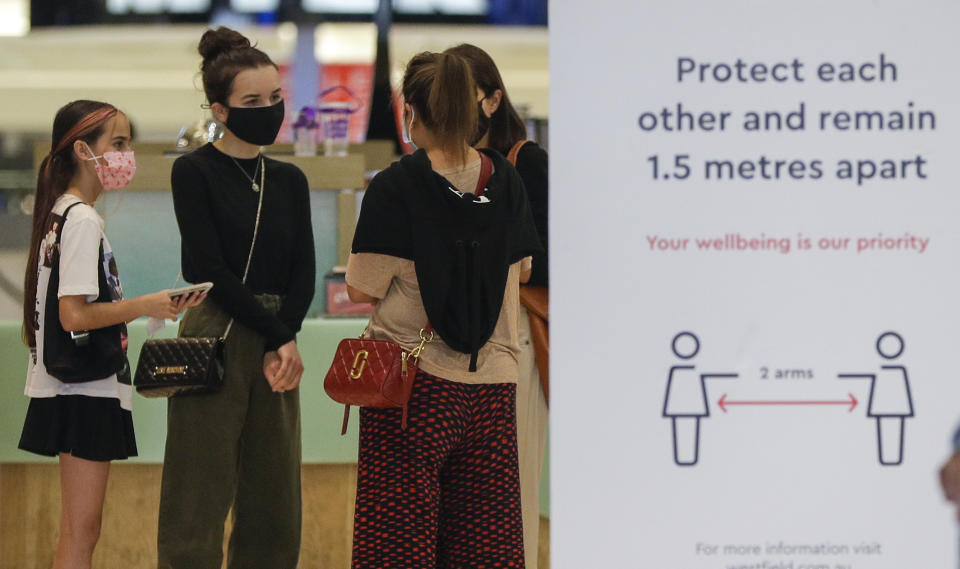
176, 293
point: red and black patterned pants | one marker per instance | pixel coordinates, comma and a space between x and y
445, 492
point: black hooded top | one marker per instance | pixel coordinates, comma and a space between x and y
462, 248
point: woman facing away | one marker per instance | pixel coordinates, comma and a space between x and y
239, 448
75, 316
443, 240
500, 128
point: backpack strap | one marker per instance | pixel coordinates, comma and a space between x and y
65, 212
512, 155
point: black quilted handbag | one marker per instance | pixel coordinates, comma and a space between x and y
178, 366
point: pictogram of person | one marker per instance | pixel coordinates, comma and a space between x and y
686, 400
890, 399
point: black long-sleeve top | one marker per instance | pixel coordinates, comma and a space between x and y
216, 210
533, 169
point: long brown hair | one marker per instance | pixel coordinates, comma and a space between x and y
506, 126
226, 53
441, 90
79, 120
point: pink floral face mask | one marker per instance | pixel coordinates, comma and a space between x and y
116, 170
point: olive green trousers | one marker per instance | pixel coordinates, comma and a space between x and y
238, 448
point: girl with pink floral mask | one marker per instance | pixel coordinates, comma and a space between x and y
115, 168
78, 376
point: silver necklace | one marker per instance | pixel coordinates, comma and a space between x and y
253, 180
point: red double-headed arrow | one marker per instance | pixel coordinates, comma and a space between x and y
851, 401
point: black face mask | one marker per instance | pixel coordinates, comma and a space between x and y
256, 125
483, 124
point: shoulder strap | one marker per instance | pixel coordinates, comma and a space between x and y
69, 207
256, 224
256, 229
512, 155
65, 212
486, 170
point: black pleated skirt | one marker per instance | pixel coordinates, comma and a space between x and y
94, 428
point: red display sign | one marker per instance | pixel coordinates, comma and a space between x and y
358, 79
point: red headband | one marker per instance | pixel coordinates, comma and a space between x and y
84, 126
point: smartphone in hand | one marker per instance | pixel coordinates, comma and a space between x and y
176, 293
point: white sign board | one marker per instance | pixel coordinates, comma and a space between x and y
755, 238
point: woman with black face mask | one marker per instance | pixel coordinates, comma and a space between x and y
240, 447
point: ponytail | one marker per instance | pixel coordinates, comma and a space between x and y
440, 87
79, 120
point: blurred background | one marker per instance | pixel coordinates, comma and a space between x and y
141, 56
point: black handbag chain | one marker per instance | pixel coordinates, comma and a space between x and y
253, 242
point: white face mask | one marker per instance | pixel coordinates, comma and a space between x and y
405, 130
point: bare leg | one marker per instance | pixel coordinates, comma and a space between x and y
686, 440
890, 440
83, 485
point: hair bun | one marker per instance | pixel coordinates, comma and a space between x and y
218, 41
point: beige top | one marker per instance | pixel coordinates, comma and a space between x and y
400, 315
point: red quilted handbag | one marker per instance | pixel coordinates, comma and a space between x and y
379, 373
373, 373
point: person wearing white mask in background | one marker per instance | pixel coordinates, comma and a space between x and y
75, 316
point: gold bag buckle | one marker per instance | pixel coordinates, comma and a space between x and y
359, 362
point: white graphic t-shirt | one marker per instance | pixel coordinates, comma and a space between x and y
80, 243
